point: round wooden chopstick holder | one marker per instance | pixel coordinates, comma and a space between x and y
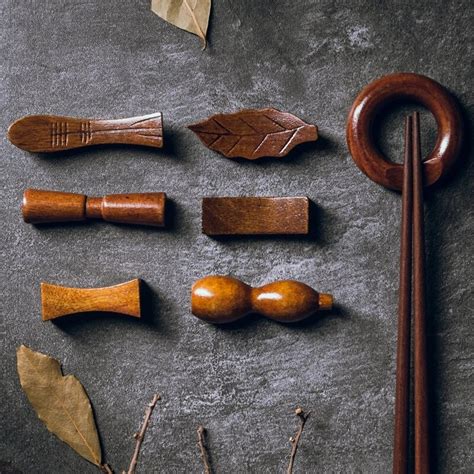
380, 93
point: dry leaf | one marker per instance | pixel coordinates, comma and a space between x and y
60, 402
189, 15
253, 133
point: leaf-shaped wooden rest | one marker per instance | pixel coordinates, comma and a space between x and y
57, 301
253, 133
60, 402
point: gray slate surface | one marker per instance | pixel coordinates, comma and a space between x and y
115, 58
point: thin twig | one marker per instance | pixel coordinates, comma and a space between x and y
296, 439
106, 468
141, 434
201, 432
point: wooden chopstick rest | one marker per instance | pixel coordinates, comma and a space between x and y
58, 301
223, 299
255, 215
253, 133
47, 133
402, 86
41, 207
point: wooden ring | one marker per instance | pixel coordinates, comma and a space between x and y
387, 89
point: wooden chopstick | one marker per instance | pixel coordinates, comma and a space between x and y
412, 258
421, 433
402, 393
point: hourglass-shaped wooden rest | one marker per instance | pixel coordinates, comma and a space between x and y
58, 301
223, 299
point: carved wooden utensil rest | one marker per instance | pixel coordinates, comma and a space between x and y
41, 207
58, 301
48, 133
253, 134
255, 215
388, 89
223, 299
410, 179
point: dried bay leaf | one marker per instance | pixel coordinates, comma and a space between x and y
189, 15
254, 133
60, 402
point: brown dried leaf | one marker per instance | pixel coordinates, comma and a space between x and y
60, 402
253, 133
189, 15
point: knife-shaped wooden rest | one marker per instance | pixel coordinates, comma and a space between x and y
223, 299
41, 207
47, 133
255, 215
57, 301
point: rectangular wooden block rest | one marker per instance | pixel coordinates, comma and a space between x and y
255, 215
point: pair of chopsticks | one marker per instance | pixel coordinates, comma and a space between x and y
412, 304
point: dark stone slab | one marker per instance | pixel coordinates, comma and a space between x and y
116, 59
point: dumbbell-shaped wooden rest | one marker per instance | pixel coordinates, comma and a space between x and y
41, 207
57, 301
222, 299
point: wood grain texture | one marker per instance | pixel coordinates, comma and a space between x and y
58, 301
40, 206
253, 133
223, 299
380, 93
51, 133
401, 451
255, 215
421, 390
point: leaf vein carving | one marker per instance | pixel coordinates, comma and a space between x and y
250, 125
225, 128
215, 140
275, 122
261, 143
235, 144
290, 139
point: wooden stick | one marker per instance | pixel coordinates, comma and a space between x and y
402, 394
202, 449
422, 460
141, 434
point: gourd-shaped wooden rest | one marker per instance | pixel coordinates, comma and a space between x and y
41, 207
57, 301
49, 133
223, 299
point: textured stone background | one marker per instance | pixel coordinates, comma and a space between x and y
108, 58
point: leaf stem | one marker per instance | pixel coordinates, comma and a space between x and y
201, 432
141, 434
294, 441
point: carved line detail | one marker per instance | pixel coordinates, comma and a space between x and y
86, 132
59, 134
